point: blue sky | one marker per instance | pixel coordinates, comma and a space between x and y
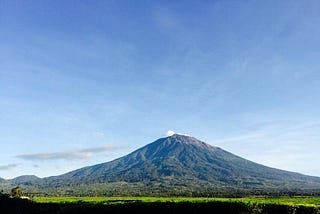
85, 82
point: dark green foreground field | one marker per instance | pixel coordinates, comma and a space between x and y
152, 205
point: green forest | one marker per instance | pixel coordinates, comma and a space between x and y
80, 205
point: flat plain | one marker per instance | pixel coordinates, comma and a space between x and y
97, 205
289, 201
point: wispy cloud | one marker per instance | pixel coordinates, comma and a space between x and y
8, 166
70, 155
98, 134
290, 144
56, 156
100, 149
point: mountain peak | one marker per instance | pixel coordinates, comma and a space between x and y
179, 162
179, 138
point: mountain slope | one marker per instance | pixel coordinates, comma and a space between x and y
181, 160
24, 180
177, 165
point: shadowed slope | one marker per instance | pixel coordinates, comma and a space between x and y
183, 160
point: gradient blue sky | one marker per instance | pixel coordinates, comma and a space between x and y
84, 82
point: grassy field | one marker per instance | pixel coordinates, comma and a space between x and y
155, 205
289, 201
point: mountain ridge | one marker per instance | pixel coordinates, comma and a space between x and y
180, 157
178, 163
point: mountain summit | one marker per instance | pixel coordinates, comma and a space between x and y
182, 164
180, 160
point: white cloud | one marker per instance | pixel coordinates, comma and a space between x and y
8, 166
56, 156
71, 155
101, 149
170, 133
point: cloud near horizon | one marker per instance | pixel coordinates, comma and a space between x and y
71, 155
8, 166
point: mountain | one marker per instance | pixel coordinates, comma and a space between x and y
24, 180
184, 161
179, 165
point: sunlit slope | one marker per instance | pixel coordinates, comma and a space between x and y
181, 160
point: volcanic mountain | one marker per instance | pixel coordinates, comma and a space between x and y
24, 179
181, 163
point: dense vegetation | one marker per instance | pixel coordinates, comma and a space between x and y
155, 205
156, 189
290, 201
